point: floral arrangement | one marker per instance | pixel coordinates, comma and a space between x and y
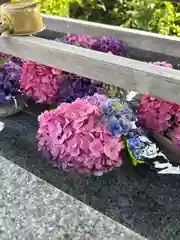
48, 85
77, 138
40, 82
10, 73
89, 136
86, 135
74, 86
122, 122
106, 44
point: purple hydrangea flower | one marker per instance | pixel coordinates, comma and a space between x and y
17, 60
97, 99
112, 45
74, 86
9, 78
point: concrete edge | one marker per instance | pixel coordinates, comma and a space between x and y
33, 209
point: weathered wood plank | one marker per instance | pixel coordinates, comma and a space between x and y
134, 38
119, 71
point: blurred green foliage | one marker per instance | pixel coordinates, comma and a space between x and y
149, 15
54, 7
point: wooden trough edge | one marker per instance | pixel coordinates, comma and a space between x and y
143, 40
115, 70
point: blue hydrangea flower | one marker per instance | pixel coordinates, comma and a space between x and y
106, 109
118, 116
135, 145
62, 40
114, 126
126, 126
125, 112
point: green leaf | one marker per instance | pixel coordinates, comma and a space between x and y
117, 105
133, 159
2, 61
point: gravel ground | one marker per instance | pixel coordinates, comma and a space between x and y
146, 203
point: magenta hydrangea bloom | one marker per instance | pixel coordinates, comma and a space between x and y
110, 45
80, 40
154, 113
40, 82
163, 64
75, 138
3, 55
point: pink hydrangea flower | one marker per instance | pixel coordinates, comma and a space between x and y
163, 64
155, 113
80, 40
76, 139
40, 82
3, 55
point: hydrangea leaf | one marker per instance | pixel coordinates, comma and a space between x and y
133, 159
3, 60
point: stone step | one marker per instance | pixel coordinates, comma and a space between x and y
32, 209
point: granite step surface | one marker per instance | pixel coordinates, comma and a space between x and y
32, 209
142, 201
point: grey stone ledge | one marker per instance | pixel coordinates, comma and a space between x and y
32, 209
